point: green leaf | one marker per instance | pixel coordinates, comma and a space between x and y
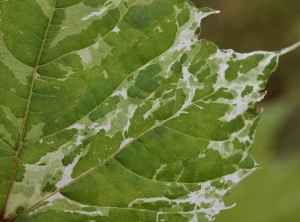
113, 110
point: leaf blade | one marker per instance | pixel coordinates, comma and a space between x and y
141, 90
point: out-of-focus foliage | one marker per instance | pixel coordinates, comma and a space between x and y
271, 194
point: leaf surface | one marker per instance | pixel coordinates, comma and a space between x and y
115, 111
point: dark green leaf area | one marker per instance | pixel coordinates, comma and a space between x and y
206, 49
56, 215
69, 157
20, 174
210, 167
176, 67
195, 67
154, 206
98, 149
175, 217
248, 89
207, 87
147, 79
67, 3
164, 112
93, 3
7, 163
49, 187
12, 97
140, 124
134, 92
267, 71
113, 215
116, 70
138, 17
183, 58
61, 67
160, 148
8, 82
163, 158
24, 38
19, 209
85, 37
183, 17
165, 206
242, 66
247, 163
179, 100
220, 93
115, 186
150, 29
32, 153
71, 104
202, 121
85, 84
219, 184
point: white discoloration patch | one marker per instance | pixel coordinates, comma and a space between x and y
122, 92
116, 29
77, 126
155, 106
187, 36
67, 175
85, 55
131, 110
186, 39
158, 28
13, 90
126, 142
187, 77
161, 58
100, 12
106, 126
105, 74
208, 195
79, 140
67, 75
60, 203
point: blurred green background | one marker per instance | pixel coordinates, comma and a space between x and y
272, 193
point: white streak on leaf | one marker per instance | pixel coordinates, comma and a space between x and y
106, 126
126, 142
94, 14
77, 126
66, 178
208, 199
78, 140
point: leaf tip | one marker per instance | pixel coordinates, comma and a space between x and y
288, 49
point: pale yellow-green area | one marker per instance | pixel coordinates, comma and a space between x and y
6, 135
46, 6
79, 16
20, 71
16, 122
35, 132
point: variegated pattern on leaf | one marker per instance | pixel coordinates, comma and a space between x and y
115, 111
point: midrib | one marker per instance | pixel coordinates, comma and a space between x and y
21, 140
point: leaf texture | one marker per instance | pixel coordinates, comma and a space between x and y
115, 111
